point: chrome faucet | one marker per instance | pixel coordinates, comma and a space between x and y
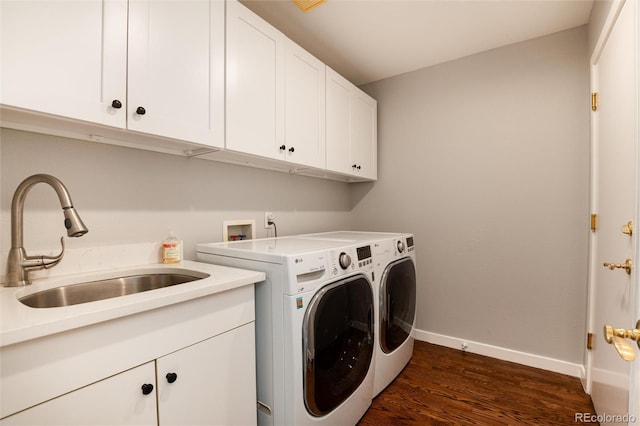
19, 263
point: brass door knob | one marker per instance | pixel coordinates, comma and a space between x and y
617, 336
628, 228
627, 265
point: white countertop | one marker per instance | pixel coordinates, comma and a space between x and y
19, 323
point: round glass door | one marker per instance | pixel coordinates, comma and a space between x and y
337, 343
397, 303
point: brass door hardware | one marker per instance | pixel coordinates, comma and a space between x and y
594, 101
628, 228
617, 336
594, 221
589, 341
627, 265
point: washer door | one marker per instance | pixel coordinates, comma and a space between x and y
397, 303
337, 343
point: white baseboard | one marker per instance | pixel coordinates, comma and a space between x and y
536, 361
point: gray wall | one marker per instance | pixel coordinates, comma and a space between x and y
131, 196
486, 160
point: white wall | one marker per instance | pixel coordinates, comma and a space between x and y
486, 160
130, 196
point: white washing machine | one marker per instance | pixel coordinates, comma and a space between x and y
395, 294
314, 327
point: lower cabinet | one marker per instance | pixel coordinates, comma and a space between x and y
117, 400
209, 383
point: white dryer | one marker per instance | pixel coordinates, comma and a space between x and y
395, 293
314, 327
395, 274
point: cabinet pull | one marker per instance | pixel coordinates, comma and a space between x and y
141, 111
355, 166
283, 147
171, 377
291, 149
116, 104
147, 388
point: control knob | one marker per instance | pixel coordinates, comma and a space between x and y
344, 260
400, 246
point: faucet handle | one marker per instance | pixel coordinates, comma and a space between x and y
43, 262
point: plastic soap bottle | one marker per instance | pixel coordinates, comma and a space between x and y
171, 249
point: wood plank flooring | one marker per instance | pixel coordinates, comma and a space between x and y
445, 386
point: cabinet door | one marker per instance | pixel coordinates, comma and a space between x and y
304, 107
65, 57
176, 69
255, 78
117, 400
338, 123
364, 134
214, 382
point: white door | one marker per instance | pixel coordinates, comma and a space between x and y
210, 383
304, 107
364, 134
176, 69
66, 58
255, 84
338, 117
614, 292
117, 400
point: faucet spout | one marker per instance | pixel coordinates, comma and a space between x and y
19, 263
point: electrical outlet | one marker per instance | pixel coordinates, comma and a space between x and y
268, 216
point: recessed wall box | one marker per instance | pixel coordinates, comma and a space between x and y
233, 230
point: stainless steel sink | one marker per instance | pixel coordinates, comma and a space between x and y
74, 294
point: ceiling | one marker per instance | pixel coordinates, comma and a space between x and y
368, 40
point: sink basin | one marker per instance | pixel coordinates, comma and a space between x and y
92, 291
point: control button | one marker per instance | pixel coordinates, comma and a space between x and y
400, 246
344, 260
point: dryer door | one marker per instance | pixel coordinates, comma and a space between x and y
337, 343
397, 303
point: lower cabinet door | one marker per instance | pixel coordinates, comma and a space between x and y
117, 400
210, 383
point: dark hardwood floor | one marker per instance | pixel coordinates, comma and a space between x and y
445, 386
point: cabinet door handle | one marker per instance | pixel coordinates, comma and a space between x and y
141, 111
171, 377
147, 388
116, 104
355, 166
291, 149
283, 147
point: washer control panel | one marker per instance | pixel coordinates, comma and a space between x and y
364, 256
349, 259
410, 246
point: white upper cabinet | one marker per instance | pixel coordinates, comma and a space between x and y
364, 135
66, 58
69, 58
177, 76
255, 84
176, 69
351, 128
275, 93
304, 107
